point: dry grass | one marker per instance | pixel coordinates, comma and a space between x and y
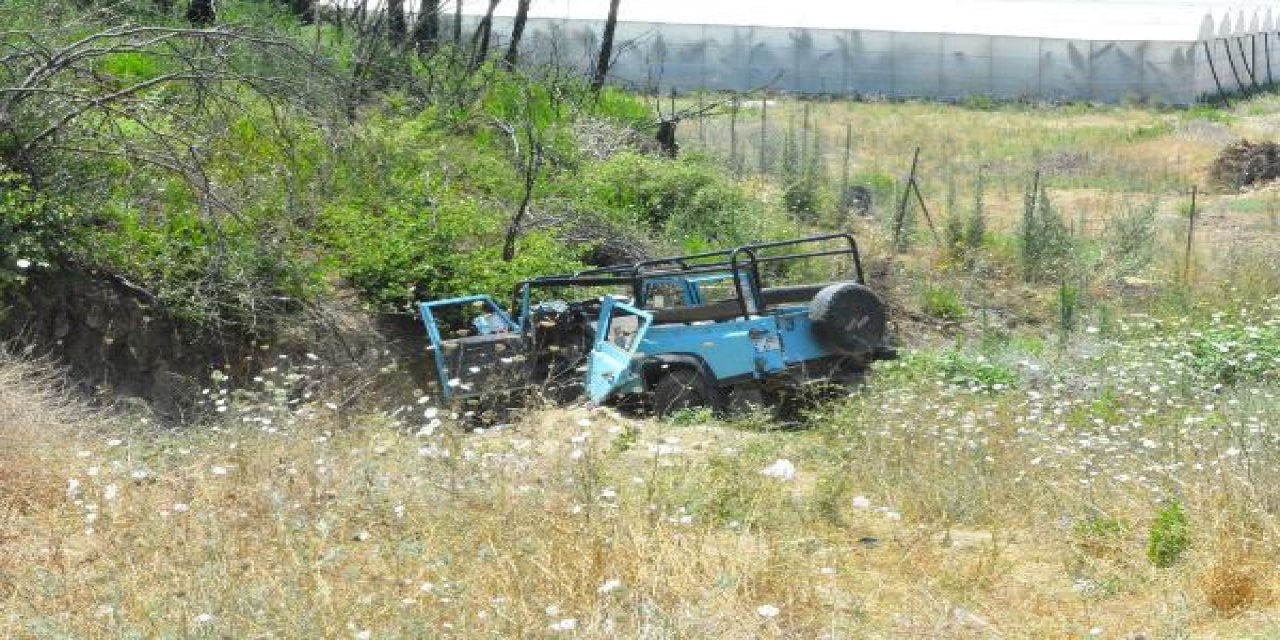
916, 511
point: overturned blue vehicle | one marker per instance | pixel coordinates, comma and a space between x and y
721, 329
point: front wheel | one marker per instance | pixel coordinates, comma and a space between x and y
681, 389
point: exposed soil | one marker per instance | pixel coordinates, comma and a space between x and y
120, 345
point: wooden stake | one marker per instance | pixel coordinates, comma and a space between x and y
764, 132
902, 205
1191, 230
848, 160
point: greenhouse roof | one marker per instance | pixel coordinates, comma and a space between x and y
1124, 20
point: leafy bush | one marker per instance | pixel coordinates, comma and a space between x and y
33, 229
1046, 241
1170, 536
688, 200
965, 234
942, 302
1100, 535
977, 374
244, 274
1235, 354
1132, 238
956, 367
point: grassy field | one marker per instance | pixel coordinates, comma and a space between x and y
1124, 488
1088, 453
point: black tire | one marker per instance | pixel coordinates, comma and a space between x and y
849, 318
684, 388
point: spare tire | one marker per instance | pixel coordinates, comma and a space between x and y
849, 318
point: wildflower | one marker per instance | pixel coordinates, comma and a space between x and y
219, 471
782, 469
115, 442
181, 507
568, 624
768, 611
609, 586
664, 449
111, 492
23, 263
861, 503
204, 618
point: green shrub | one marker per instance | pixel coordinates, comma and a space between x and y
1236, 355
1046, 241
1100, 535
243, 274
955, 367
1170, 536
942, 302
687, 200
1132, 237
977, 374
34, 230
965, 234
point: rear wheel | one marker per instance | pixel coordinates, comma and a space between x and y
682, 389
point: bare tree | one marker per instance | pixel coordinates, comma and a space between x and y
55, 102
396, 25
517, 32
426, 29
483, 34
604, 59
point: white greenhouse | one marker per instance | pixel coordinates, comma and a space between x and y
1165, 51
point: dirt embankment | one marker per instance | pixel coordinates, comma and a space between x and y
119, 344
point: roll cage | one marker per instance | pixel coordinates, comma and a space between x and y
739, 265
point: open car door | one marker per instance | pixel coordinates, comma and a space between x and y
619, 332
487, 355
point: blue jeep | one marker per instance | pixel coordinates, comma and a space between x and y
702, 330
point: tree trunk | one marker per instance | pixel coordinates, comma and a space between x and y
532, 166
517, 31
605, 59
396, 27
200, 13
426, 31
666, 138
480, 42
305, 10
457, 23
